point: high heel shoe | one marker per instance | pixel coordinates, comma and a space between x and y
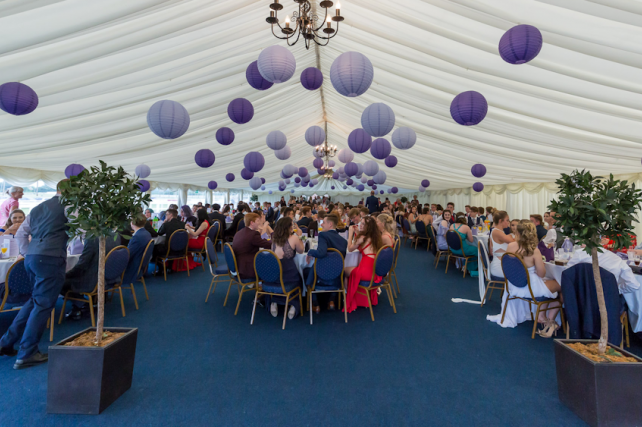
550, 329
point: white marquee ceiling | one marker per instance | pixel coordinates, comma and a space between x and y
99, 65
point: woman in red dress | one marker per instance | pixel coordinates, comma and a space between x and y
197, 239
365, 237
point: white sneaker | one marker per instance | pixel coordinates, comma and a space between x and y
274, 309
291, 313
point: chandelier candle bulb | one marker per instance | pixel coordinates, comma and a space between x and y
338, 9
287, 21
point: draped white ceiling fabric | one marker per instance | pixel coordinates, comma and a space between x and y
98, 66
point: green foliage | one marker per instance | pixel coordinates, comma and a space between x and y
404, 199
101, 200
593, 207
254, 198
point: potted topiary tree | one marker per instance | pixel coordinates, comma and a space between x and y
592, 377
91, 369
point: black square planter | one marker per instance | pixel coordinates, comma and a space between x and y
602, 394
86, 380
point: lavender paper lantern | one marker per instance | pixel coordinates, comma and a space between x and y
142, 171
283, 154
276, 64
478, 170
212, 185
246, 174
345, 155
380, 177
520, 44
225, 136
168, 119
204, 158
320, 171
317, 163
360, 187
394, 190
73, 169
276, 140
240, 110
351, 169
17, 98
285, 173
297, 184
380, 148
314, 135
317, 154
229, 177
359, 170
425, 183
391, 161
469, 108
282, 184
478, 187
255, 79
351, 74
270, 192
349, 181
290, 170
364, 179
255, 183
254, 161
312, 78
331, 163
143, 185
404, 138
263, 188
306, 178
378, 119
303, 172
304, 184
359, 141
374, 186
335, 175
314, 181
370, 183
421, 189
370, 168
287, 181
291, 191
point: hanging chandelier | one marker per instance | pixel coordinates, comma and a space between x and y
305, 23
326, 152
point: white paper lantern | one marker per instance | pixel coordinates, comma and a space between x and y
345, 155
276, 64
284, 153
378, 119
314, 136
404, 138
380, 177
276, 140
351, 74
370, 168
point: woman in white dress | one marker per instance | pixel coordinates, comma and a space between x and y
518, 311
498, 242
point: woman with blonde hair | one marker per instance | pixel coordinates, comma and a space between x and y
518, 311
388, 228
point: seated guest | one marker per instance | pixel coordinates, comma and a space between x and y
243, 209
388, 229
11, 203
149, 223
412, 219
498, 242
137, 245
216, 215
227, 210
247, 242
264, 227
425, 217
355, 216
198, 233
442, 228
489, 213
438, 217
482, 213
626, 281
286, 244
519, 311
16, 218
187, 216
289, 213
306, 219
364, 212
84, 276
537, 221
171, 224
469, 246
512, 228
473, 217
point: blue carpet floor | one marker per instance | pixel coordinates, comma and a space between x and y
433, 363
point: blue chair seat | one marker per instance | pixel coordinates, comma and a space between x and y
366, 283
247, 280
326, 285
539, 299
221, 269
276, 287
14, 300
497, 278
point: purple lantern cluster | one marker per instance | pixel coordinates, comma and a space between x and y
478, 171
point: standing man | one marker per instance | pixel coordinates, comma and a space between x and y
269, 214
45, 262
372, 203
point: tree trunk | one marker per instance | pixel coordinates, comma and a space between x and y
101, 290
604, 333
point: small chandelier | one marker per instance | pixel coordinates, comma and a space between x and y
306, 23
326, 152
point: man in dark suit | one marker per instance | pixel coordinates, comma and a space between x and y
171, 224
243, 210
137, 245
45, 262
247, 242
372, 202
269, 216
473, 219
328, 239
541, 231
218, 216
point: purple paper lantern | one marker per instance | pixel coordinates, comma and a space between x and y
262, 180
255, 79
314, 135
204, 158
380, 177
394, 190
254, 161
335, 175
317, 154
304, 184
317, 163
240, 111
320, 171
351, 169
351, 74
345, 155
263, 188
225, 136
312, 78
73, 169
143, 185
290, 170
212, 185
378, 119
332, 188
469, 108
168, 119
520, 44
276, 64
297, 180
229, 177
314, 181
270, 192
303, 172
425, 183
478, 170
142, 171
391, 161
287, 180
291, 191
306, 178
255, 183
359, 141
380, 148
246, 174
331, 163
370, 182
364, 179
17, 98
284, 153
381, 192
276, 140
360, 187
350, 181
478, 187
404, 138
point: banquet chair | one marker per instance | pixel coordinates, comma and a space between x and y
177, 248
268, 270
516, 273
326, 271
382, 266
393, 271
17, 290
438, 252
216, 271
213, 234
240, 226
492, 282
304, 230
422, 234
454, 243
243, 285
115, 264
202, 252
142, 269
406, 230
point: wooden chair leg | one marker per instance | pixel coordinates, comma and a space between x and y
62, 311
187, 265
301, 303
465, 265
91, 312
447, 263
535, 320
484, 298
142, 279
164, 270
370, 304
134, 295
392, 300
504, 310
202, 261
122, 302
238, 304
228, 293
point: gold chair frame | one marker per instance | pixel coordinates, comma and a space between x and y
142, 278
439, 251
456, 256
532, 300
385, 283
236, 280
215, 277
490, 284
418, 238
311, 290
293, 293
167, 257
393, 270
94, 293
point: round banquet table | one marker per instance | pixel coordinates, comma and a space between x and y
159, 240
482, 284
352, 259
5, 264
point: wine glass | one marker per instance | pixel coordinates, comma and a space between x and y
3, 250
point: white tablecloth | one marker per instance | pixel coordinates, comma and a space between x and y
5, 264
352, 259
159, 240
480, 268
